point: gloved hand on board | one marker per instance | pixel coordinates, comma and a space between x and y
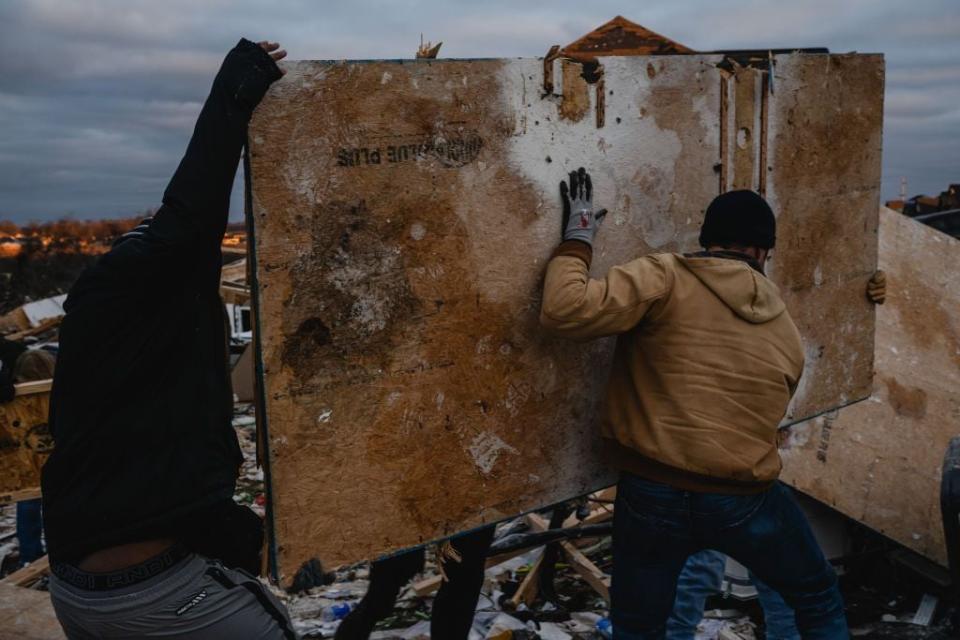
580, 221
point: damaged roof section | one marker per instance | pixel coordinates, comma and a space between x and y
620, 37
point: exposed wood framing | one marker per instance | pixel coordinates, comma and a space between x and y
591, 573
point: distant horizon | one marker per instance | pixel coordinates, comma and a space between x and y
98, 99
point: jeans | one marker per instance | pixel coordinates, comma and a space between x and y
702, 576
29, 530
657, 527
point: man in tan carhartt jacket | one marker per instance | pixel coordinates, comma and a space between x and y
706, 361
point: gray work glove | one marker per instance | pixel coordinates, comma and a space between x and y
580, 221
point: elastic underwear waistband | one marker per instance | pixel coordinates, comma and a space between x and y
123, 578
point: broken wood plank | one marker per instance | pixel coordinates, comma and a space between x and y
45, 325
590, 572
527, 591
234, 293
30, 388
29, 574
429, 585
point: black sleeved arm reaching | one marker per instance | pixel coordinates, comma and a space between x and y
186, 232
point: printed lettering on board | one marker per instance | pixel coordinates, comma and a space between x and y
451, 152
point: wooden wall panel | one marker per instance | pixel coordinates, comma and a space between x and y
879, 461
403, 214
25, 440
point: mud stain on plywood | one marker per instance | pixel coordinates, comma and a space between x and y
353, 290
910, 402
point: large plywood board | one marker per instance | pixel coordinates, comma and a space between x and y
403, 214
879, 461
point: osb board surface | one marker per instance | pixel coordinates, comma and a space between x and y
823, 179
879, 461
24, 441
26, 614
403, 216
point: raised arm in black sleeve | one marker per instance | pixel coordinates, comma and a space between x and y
141, 405
186, 232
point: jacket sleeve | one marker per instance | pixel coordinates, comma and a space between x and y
186, 232
576, 306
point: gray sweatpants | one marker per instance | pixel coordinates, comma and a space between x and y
197, 598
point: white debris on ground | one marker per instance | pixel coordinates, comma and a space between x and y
9, 549
250, 487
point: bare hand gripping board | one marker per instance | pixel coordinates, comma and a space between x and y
403, 214
879, 461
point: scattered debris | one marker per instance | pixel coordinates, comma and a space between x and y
428, 51
883, 600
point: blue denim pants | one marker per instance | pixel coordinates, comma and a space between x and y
702, 577
657, 527
29, 530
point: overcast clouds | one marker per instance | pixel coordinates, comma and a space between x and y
98, 97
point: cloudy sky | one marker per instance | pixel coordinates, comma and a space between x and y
98, 97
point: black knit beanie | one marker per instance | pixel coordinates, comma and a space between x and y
739, 218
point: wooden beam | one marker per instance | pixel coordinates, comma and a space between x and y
29, 574
36, 386
591, 573
429, 585
234, 293
46, 324
527, 591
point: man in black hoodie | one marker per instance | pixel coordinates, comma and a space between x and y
143, 535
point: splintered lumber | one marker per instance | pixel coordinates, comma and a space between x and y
879, 461
527, 591
45, 325
26, 614
429, 585
25, 440
30, 388
591, 573
29, 574
402, 216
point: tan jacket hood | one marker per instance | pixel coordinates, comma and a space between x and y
747, 292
